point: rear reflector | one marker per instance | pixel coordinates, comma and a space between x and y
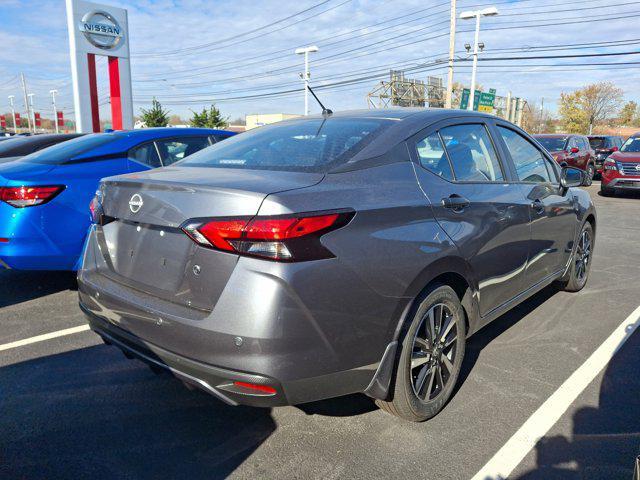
253, 386
29, 196
286, 238
4, 240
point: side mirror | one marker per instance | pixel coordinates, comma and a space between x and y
572, 177
575, 150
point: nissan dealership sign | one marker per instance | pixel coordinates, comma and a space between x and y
99, 30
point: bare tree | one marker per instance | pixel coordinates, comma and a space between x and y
600, 102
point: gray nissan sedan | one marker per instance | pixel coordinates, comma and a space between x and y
333, 254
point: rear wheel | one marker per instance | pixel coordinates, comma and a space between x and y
581, 263
430, 358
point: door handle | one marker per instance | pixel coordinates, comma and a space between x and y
455, 202
538, 206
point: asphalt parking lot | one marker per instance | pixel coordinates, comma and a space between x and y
71, 407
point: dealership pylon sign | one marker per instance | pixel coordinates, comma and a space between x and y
96, 29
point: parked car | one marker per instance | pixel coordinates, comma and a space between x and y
329, 255
604, 145
45, 195
18, 146
621, 170
572, 151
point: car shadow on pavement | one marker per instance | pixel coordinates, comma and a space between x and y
484, 337
17, 287
605, 440
90, 413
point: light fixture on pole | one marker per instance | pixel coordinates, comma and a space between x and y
306, 75
13, 113
468, 15
55, 110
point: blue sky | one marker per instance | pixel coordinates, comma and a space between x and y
354, 42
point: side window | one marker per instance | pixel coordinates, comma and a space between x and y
530, 163
432, 156
145, 154
471, 153
218, 138
173, 149
585, 143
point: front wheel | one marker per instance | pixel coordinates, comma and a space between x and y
430, 358
581, 263
606, 192
589, 174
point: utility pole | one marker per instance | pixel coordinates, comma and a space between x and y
55, 110
306, 75
541, 127
452, 49
487, 12
33, 111
13, 113
26, 104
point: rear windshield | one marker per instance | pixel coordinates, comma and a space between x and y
314, 145
599, 142
66, 151
631, 145
17, 146
552, 144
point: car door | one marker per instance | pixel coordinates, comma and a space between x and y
479, 208
552, 207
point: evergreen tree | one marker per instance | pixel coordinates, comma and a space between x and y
155, 116
211, 118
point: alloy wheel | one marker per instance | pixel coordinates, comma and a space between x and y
583, 255
433, 353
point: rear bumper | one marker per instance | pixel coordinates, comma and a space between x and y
37, 239
216, 381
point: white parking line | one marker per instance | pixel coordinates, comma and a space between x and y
538, 424
42, 338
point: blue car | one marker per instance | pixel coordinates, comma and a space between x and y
45, 196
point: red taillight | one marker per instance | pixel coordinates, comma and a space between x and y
290, 238
254, 386
25, 196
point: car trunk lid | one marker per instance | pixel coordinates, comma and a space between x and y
144, 247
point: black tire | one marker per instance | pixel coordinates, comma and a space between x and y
590, 172
606, 192
437, 367
578, 273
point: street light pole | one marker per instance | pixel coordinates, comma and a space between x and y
487, 12
13, 113
55, 110
306, 75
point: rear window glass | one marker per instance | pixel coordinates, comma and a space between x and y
599, 142
19, 146
66, 151
552, 144
314, 145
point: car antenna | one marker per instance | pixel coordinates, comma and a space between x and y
325, 110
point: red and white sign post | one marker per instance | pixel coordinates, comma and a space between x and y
99, 30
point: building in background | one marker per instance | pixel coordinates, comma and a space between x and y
259, 119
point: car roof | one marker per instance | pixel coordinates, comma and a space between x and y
554, 135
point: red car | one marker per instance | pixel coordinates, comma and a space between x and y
622, 169
571, 150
